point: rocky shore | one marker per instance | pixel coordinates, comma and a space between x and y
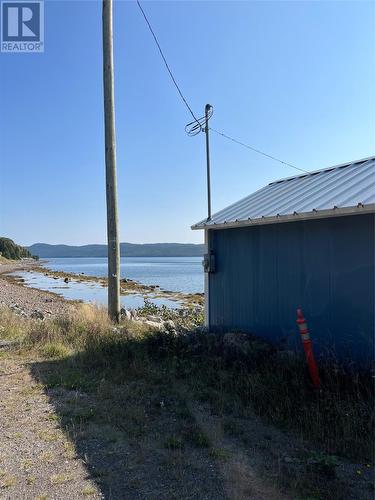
29, 302
127, 286
40, 304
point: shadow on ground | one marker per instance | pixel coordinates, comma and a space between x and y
132, 429
132, 407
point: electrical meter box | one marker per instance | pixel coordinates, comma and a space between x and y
209, 262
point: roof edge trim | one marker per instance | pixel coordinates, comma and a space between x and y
319, 214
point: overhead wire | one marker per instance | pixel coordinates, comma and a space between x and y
166, 62
199, 121
257, 150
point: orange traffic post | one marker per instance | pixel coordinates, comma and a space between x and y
307, 347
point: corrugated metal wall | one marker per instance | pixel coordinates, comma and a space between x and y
263, 273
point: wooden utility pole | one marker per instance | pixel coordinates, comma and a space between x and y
110, 167
207, 115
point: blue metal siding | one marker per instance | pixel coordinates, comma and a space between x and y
263, 273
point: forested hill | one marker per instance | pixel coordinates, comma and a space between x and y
10, 250
44, 250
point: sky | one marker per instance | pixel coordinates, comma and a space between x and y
293, 79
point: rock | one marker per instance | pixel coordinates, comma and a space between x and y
125, 314
236, 342
4, 343
37, 315
17, 309
7, 344
134, 314
155, 319
169, 325
153, 324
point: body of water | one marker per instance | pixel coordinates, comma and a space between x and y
88, 291
178, 274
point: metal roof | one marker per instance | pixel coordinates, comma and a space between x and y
340, 190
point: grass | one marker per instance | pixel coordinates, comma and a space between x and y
60, 478
136, 373
232, 428
6, 480
196, 437
48, 436
93, 354
88, 491
54, 350
219, 454
174, 443
26, 464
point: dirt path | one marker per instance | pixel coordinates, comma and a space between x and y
72, 428
240, 471
49, 453
36, 458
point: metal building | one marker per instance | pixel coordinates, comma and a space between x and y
301, 241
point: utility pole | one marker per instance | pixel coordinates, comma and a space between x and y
110, 167
194, 128
207, 115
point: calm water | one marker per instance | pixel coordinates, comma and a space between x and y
87, 291
178, 274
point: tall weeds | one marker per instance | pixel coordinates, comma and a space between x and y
340, 417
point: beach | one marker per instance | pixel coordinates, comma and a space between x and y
29, 302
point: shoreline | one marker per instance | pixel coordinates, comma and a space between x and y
27, 301
127, 286
14, 292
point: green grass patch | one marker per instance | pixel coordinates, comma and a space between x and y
174, 442
56, 350
198, 438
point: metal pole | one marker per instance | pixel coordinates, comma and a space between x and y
110, 166
206, 129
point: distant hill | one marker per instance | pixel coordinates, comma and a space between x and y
43, 250
10, 250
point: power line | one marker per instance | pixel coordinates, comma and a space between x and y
257, 150
166, 63
191, 111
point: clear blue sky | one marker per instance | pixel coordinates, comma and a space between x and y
295, 79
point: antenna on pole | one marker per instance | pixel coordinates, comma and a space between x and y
110, 166
193, 128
